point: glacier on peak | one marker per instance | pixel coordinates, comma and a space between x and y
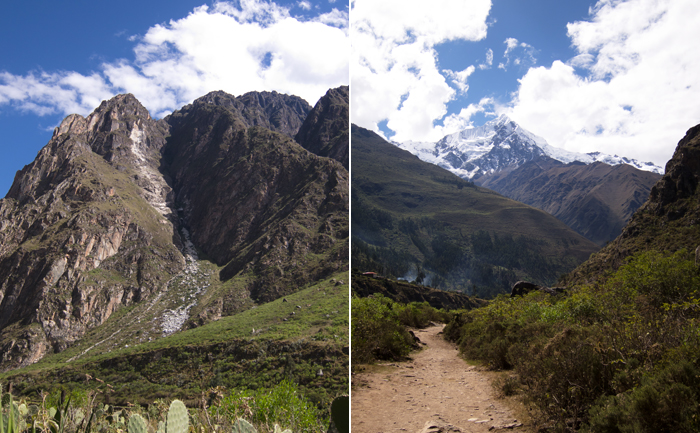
502, 144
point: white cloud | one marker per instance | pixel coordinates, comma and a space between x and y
519, 53
489, 60
304, 5
46, 93
250, 45
394, 67
460, 78
462, 120
641, 85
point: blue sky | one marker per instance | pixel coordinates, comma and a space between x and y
616, 76
57, 58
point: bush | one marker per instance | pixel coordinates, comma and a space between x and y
666, 402
420, 314
377, 332
622, 355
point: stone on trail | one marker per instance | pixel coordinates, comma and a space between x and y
437, 426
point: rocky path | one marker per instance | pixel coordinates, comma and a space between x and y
435, 392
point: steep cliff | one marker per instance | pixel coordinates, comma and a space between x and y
84, 229
324, 131
117, 208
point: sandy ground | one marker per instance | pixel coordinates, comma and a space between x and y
435, 392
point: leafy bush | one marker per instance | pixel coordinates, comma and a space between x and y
665, 402
376, 330
622, 355
420, 314
379, 326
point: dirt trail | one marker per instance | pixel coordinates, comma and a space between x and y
437, 391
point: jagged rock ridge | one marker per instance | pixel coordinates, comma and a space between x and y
323, 133
115, 207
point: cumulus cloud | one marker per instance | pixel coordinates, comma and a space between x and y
249, 45
395, 77
462, 120
633, 87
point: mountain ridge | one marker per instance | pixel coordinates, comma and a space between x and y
666, 222
100, 221
596, 200
503, 156
498, 145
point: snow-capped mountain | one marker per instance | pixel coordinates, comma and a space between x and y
502, 144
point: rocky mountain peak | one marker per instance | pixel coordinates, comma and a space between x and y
275, 111
72, 124
502, 145
324, 132
682, 172
91, 225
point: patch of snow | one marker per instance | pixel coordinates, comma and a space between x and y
469, 152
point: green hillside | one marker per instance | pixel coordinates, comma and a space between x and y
290, 338
410, 216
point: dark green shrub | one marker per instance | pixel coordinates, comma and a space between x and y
376, 330
620, 355
666, 402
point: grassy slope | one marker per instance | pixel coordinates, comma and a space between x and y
390, 184
225, 352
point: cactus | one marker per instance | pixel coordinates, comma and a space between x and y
178, 420
243, 426
340, 414
278, 429
161, 427
137, 424
9, 422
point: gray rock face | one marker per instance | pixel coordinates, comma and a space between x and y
324, 132
75, 217
93, 224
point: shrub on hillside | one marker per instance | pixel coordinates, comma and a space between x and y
609, 354
379, 326
376, 330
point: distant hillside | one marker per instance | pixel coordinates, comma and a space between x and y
596, 200
668, 221
409, 216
